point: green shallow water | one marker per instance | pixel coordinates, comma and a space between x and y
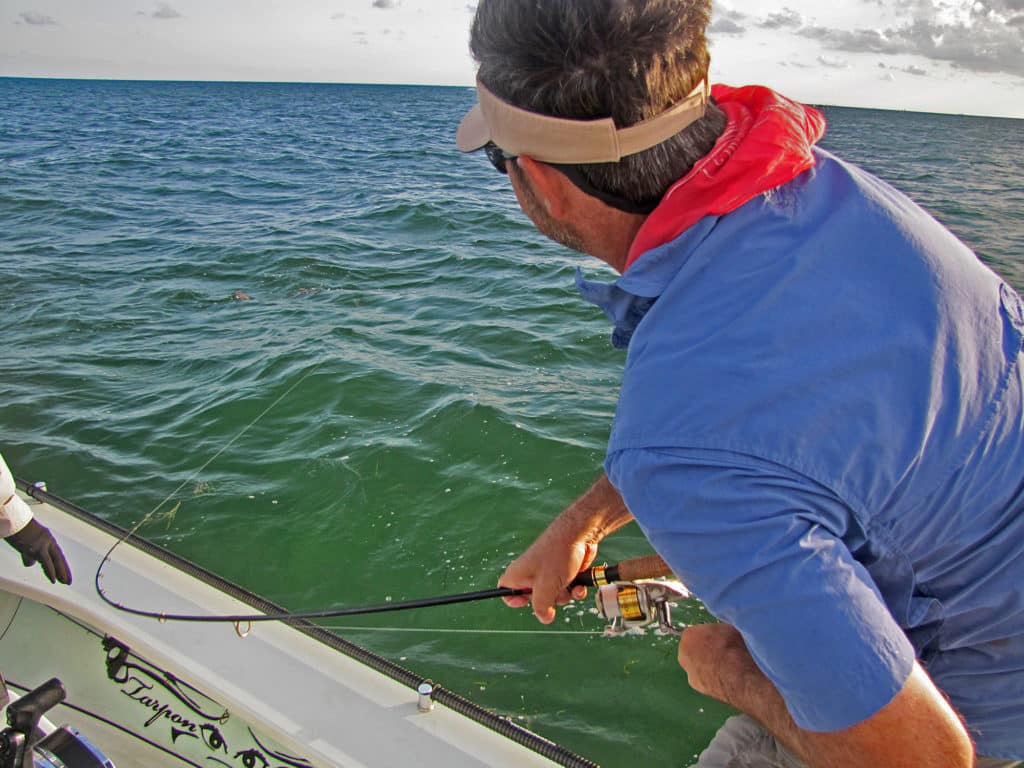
411, 393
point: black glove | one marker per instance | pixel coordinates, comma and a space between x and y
36, 544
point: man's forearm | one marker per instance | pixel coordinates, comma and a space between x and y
918, 727
595, 514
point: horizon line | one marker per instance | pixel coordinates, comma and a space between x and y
431, 85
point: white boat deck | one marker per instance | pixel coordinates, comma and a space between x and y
314, 701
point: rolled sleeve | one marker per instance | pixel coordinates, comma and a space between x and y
763, 548
14, 512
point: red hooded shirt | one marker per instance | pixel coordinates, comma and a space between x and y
767, 142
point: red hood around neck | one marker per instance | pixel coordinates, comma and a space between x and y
767, 142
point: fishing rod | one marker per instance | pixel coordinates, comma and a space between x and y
646, 567
625, 599
630, 593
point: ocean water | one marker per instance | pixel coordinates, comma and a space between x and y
333, 362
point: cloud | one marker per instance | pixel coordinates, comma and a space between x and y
37, 19
833, 63
980, 37
910, 69
385, 4
1000, 6
787, 17
975, 35
727, 22
165, 12
726, 27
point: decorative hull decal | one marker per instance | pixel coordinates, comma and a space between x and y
186, 718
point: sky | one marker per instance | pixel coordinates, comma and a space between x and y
953, 56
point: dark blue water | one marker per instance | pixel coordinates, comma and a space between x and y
337, 363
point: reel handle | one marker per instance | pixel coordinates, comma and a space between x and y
646, 567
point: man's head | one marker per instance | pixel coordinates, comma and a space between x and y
634, 61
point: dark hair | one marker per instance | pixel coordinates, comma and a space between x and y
586, 59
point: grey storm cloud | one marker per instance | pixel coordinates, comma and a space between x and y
988, 36
36, 19
989, 39
984, 46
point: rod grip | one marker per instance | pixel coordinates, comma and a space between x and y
646, 567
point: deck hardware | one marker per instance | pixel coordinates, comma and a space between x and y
426, 696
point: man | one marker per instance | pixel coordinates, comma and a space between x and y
820, 426
33, 541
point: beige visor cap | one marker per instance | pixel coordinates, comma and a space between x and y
558, 140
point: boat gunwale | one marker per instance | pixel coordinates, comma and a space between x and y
491, 720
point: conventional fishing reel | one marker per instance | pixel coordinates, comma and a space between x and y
633, 604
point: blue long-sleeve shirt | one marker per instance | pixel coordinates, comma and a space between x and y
821, 430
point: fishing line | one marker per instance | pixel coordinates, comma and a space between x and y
248, 618
456, 631
592, 577
131, 532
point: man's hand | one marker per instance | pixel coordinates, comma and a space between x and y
36, 544
714, 656
545, 568
565, 548
917, 728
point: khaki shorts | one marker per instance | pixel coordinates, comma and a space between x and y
743, 743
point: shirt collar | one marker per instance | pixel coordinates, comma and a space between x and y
627, 300
768, 141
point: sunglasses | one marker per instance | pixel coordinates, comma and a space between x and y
497, 156
499, 159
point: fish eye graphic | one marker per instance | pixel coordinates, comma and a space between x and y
250, 757
212, 737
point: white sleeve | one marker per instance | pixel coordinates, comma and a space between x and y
14, 512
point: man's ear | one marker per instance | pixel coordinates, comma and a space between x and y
548, 184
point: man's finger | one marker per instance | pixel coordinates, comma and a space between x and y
516, 601
545, 593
